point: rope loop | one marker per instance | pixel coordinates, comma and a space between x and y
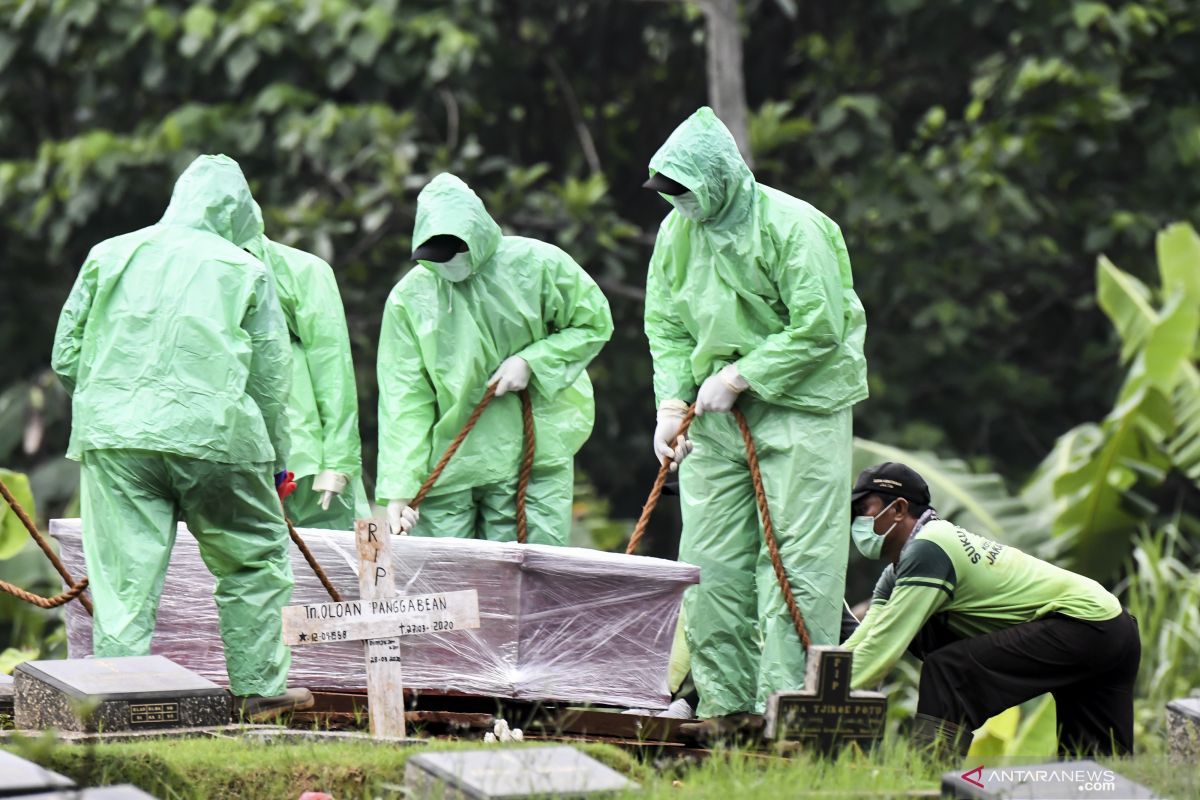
760, 495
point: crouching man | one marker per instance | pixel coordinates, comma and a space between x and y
994, 626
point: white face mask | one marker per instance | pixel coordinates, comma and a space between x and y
458, 268
688, 205
862, 531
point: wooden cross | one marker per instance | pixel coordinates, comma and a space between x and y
826, 715
379, 611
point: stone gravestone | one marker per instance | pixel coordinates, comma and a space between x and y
826, 715
6, 696
1060, 780
21, 777
512, 774
122, 791
116, 694
380, 617
1183, 730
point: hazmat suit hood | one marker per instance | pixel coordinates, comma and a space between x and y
447, 206
702, 155
212, 195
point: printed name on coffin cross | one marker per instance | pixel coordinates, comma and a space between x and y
826, 715
353, 620
379, 612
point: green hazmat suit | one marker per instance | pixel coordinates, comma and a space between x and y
174, 347
440, 343
322, 410
762, 282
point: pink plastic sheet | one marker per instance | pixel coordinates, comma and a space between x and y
556, 623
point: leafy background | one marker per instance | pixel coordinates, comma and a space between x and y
1005, 172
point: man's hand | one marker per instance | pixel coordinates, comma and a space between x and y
401, 517
329, 483
721, 391
513, 376
666, 443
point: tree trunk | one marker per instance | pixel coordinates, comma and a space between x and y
726, 82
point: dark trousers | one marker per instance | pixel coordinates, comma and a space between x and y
1089, 667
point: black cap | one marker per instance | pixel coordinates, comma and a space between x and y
439, 248
661, 183
892, 479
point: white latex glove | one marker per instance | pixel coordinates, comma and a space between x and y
329, 483
666, 444
513, 376
401, 517
721, 391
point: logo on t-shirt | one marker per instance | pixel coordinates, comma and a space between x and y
987, 548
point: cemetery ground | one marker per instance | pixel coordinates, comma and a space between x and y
184, 769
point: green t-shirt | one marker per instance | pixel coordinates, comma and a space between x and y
980, 585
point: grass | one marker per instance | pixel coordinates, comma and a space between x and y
210, 768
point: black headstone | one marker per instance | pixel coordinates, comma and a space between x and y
116, 694
1061, 780
1183, 730
826, 715
499, 773
20, 777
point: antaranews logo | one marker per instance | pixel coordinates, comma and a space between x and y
1094, 779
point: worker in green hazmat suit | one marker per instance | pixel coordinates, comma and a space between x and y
750, 302
483, 308
326, 454
174, 347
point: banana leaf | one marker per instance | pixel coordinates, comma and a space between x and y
1098, 483
979, 502
12, 531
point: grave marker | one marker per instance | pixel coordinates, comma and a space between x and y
380, 612
1183, 730
115, 694
6, 695
21, 777
826, 715
511, 774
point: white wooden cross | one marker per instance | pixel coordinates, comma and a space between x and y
379, 611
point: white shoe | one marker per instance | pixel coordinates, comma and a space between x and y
680, 709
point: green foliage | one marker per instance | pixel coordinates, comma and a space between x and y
979, 502
13, 535
10, 657
1163, 592
1101, 481
972, 154
1025, 732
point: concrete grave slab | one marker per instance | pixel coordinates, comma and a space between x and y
521, 773
6, 695
115, 694
19, 777
1183, 730
122, 791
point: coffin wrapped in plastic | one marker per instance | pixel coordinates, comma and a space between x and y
556, 623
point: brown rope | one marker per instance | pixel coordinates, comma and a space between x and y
760, 495
526, 459
74, 590
664, 469
45, 602
312, 561
526, 465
